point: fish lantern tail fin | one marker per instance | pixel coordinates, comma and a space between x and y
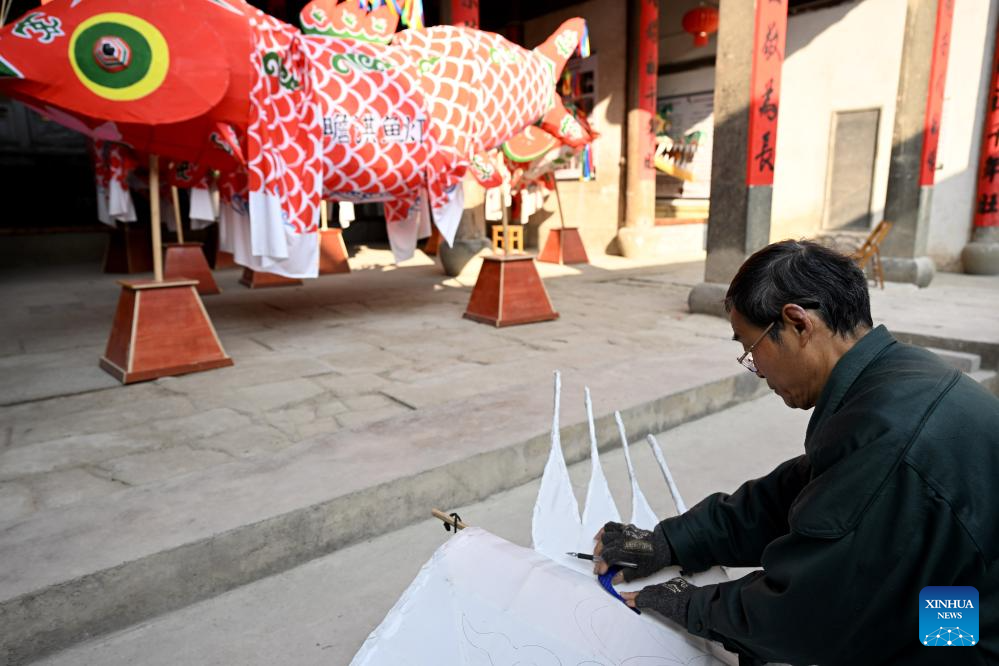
571, 36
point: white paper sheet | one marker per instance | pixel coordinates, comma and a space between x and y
404, 234
600, 507
482, 601
448, 216
642, 514
274, 246
345, 214
236, 236
202, 209
554, 524
555, 529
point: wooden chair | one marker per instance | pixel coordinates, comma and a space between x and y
870, 251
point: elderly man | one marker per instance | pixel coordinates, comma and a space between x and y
898, 487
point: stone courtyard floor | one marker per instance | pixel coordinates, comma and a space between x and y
341, 352
356, 402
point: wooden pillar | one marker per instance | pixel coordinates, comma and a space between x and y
981, 255
751, 42
464, 13
921, 80
637, 237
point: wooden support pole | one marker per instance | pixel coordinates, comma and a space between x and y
437, 513
176, 213
558, 200
154, 216
506, 226
324, 215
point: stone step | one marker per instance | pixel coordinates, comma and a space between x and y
987, 378
963, 361
310, 615
97, 566
970, 342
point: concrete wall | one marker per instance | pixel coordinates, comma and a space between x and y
693, 81
842, 58
847, 57
596, 206
965, 99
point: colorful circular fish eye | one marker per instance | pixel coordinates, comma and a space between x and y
118, 56
112, 54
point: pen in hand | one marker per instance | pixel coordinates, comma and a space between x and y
597, 558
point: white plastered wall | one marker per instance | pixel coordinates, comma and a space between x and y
965, 97
843, 58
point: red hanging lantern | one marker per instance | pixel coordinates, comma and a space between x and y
701, 22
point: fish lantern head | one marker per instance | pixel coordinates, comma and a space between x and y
126, 61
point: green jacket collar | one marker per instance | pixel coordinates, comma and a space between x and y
845, 374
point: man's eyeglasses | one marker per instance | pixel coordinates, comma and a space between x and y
746, 360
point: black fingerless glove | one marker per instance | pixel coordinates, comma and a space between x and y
627, 543
669, 599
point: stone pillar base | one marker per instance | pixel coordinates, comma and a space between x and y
918, 270
708, 298
674, 243
981, 255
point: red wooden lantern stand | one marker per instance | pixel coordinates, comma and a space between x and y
564, 245
224, 259
160, 328
332, 252
263, 280
332, 249
509, 290
187, 260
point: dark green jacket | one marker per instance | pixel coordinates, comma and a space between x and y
898, 489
